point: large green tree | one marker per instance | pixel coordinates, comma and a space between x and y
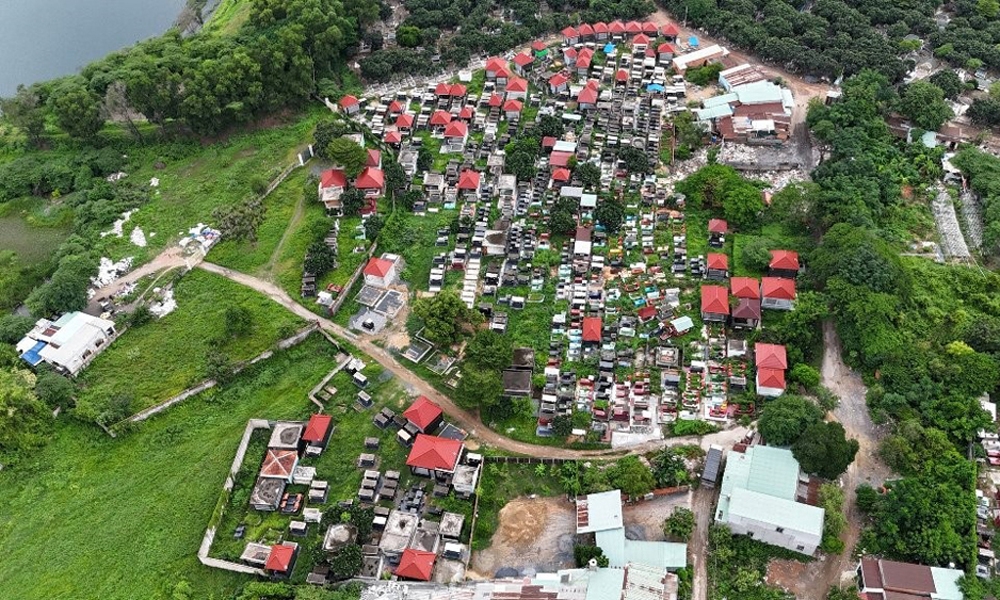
76, 108
348, 155
444, 316
785, 418
25, 421
923, 103
25, 111
823, 449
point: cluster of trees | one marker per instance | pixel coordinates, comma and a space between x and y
983, 172
679, 525
284, 52
486, 355
445, 317
721, 188
26, 418
821, 447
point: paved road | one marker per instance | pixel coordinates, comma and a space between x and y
462, 417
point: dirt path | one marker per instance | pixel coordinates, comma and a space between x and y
460, 416
701, 504
170, 258
811, 581
293, 223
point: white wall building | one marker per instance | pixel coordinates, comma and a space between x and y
69, 343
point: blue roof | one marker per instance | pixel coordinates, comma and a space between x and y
609, 48
693, 40
31, 356
655, 87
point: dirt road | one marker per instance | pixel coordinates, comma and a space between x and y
170, 258
811, 581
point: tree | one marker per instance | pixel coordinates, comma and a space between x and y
489, 349
14, 327
988, 8
805, 375
631, 476
352, 201
408, 36
831, 498
669, 469
444, 316
785, 418
923, 103
53, 389
373, 226
742, 204
610, 213
425, 159
949, 82
241, 221
76, 108
395, 177
26, 420
346, 563
238, 321
589, 175
25, 111
320, 259
679, 525
409, 198
348, 154
479, 388
635, 160
562, 219
583, 553
327, 131
66, 290
562, 426
550, 126
823, 449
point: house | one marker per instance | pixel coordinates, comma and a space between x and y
665, 52
758, 498
371, 181
714, 303
745, 287
571, 36
633, 28
434, 456
561, 175
669, 32
770, 356
69, 343
746, 313
718, 266
383, 272
770, 382
440, 119
600, 31
616, 29
581, 242
516, 383
281, 560
640, 42
880, 578
416, 564
558, 83
583, 60
539, 49
777, 293
393, 138
373, 158
649, 28
592, 329
560, 159
426, 416
279, 464
587, 98
699, 58
404, 122
349, 104
512, 109
332, 184
601, 515
494, 65
586, 32
522, 63
469, 181
456, 133
318, 430
717, 230
517, 89
784, 263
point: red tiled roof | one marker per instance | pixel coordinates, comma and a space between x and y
516, 84
280, 558
434, 453
538, 45
494, 63
616, 27
423, 412
548, 141
374, 158
621, 75
666, 48
393, 137
468, 180
770, 356
747, 308
512, 106
771, 378
669, 30
570, 53
333, 178
440, 117
592, 329
378, 267
785, 260
586, 29
395, 107
718, 261
587, 95
744, 287
647, 312
465, 113
559, 159
316, 428
600, 27
717, 226
558, 79
523, 59
561, 174
649, 28
349, 101
458, 90
279, 463
495, 100
442, 89
583, 59
416, 564
714, 299
456, 129
778, 287
404, 121
570, 32
642, 38
370, 179
633, 27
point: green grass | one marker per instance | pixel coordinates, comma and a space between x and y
33, 228
228, 17
91, 517
162, 358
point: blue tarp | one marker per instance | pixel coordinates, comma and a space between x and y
609, 48
693, 41
655, 87
31, 356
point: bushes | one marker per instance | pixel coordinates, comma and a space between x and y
679, 525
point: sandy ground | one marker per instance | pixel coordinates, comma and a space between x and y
644, 520
811, 581
534, 535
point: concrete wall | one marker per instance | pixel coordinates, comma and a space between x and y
797, 541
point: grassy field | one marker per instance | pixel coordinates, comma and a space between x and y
93, 517
162, 358
228, 17
33, 228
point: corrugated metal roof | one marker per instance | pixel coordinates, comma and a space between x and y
712, 463
759, 92
763, 469
713, 112
605, 583
946, 583
717, 100
776, 511
665, 555
603, 511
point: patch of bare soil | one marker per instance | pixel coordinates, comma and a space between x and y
534, 535
644, 520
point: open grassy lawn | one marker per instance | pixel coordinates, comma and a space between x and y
162, 358
93, 517
196, 180
33, 228
228, 17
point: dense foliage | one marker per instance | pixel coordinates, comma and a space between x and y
983, 172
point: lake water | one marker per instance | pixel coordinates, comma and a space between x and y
43, 39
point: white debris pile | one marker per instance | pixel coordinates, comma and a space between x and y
200, 236
138, 237
118, 228
154, 182
166, 303
108, 271
126, 290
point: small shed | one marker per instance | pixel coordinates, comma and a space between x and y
713, 467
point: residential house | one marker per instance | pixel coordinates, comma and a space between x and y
440, 119
582, 245
558, 83
512, 109
383, 272
746, 313
332, 184
770, 382
469, 182
587, 98
669, 32
758, 498
718, 266
426, 416
745, 287
571, 36
456, 134
404, 122
69, 343
517, 89
494, 65
434, 456
880, 579
522, 63
371, 181
350, 104
417, 565
586, 32
771, 363
784, 263
777, 293
666, 52
601, 515
714, 303
600, 31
